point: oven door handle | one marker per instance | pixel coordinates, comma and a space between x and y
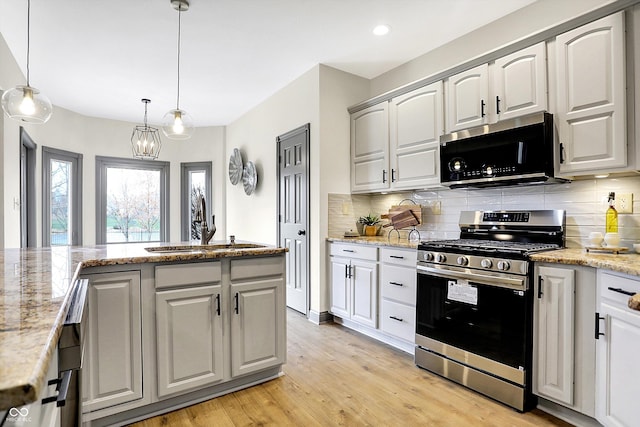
503, 282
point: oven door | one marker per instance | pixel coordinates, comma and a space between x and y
479, 313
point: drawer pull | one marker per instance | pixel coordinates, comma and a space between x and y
396, 257
62, 387
621, 291
348, 250
396, 284
396, 318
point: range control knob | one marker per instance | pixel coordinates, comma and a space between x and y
441, 258
503, 265
462, 260
486, 263
428, 256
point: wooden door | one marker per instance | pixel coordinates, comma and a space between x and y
293, 154
554, 307
467, 97
112, 370
520, 83
364, 292
370, 149
591, 96
416, 123
189, 338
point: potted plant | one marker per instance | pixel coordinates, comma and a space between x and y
370, 224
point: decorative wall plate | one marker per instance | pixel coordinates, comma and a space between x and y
249, 178
235, 167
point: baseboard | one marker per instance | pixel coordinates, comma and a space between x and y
566, 414
320, 317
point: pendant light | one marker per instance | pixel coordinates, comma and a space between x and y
177, 123
145, 140
26, 103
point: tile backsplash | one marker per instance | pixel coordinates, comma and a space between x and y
585, 202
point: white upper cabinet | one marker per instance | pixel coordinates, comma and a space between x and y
590, 116
467, 94
416, 124
520, 82
370, 148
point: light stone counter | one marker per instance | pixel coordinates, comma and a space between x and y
628, 263
375, 241
34, 300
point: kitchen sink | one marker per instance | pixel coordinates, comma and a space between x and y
202, 248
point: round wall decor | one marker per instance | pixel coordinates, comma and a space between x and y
235, 167
249, 178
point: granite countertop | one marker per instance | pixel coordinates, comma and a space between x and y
625, 262
375, 241
34, 299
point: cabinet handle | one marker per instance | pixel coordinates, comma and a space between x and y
218, 304
621, 291
384, 176
540, 281
396, 284
497, 104
597, 329
236, 303
561, 153
399, 319
396, 257
482, 104
393, 175
352, 271
346, 271
348, 250
62, 387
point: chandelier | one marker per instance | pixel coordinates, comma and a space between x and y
26, 103
145, 140
177, 123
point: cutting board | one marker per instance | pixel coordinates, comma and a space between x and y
416, 210
404, 219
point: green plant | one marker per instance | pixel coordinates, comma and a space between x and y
369, 220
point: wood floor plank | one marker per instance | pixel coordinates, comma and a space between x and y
337, 377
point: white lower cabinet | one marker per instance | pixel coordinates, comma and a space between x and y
398, 293
112, 370
564, 344
618, 345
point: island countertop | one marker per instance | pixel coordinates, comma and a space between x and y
34, 299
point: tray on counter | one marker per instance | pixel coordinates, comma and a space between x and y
607, 249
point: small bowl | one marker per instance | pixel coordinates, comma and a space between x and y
636, 247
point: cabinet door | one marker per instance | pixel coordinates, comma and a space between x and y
416, 123
370, 148
364, 292
591, 96
112, 371
554, 311
520, 82
340, 287
467, 95
189, 338
258, 338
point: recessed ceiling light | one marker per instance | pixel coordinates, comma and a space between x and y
381, 30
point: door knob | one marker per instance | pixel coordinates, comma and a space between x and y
301, 232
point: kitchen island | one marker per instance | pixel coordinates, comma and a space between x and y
34, 299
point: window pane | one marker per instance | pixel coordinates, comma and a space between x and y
133, 205
196, 189
60, 202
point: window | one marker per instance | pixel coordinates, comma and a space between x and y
195, 180
131, 200
62, 197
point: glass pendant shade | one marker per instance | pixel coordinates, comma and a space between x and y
177, 124
145, 139
26, 104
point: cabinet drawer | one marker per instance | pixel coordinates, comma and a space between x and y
254, 267
354, 251
406, 257
168, 276
398, 320
620, 288
398, 283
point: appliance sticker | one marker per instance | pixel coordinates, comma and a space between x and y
461, 291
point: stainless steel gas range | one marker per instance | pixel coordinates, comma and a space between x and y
474, 301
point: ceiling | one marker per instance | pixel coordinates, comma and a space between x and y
99, 58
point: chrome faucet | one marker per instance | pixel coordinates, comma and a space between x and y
201, 217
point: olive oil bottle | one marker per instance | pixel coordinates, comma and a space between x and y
612, 215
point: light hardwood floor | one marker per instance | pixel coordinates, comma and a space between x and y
337, 377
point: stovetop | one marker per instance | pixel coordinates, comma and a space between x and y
480, 246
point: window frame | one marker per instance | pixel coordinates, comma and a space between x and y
48, 154
102, 164
185, 193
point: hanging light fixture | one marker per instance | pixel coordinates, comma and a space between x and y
177, 123
26, 103
145, 140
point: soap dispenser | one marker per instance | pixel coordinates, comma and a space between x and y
612, 215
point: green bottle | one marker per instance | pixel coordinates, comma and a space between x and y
612, 215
